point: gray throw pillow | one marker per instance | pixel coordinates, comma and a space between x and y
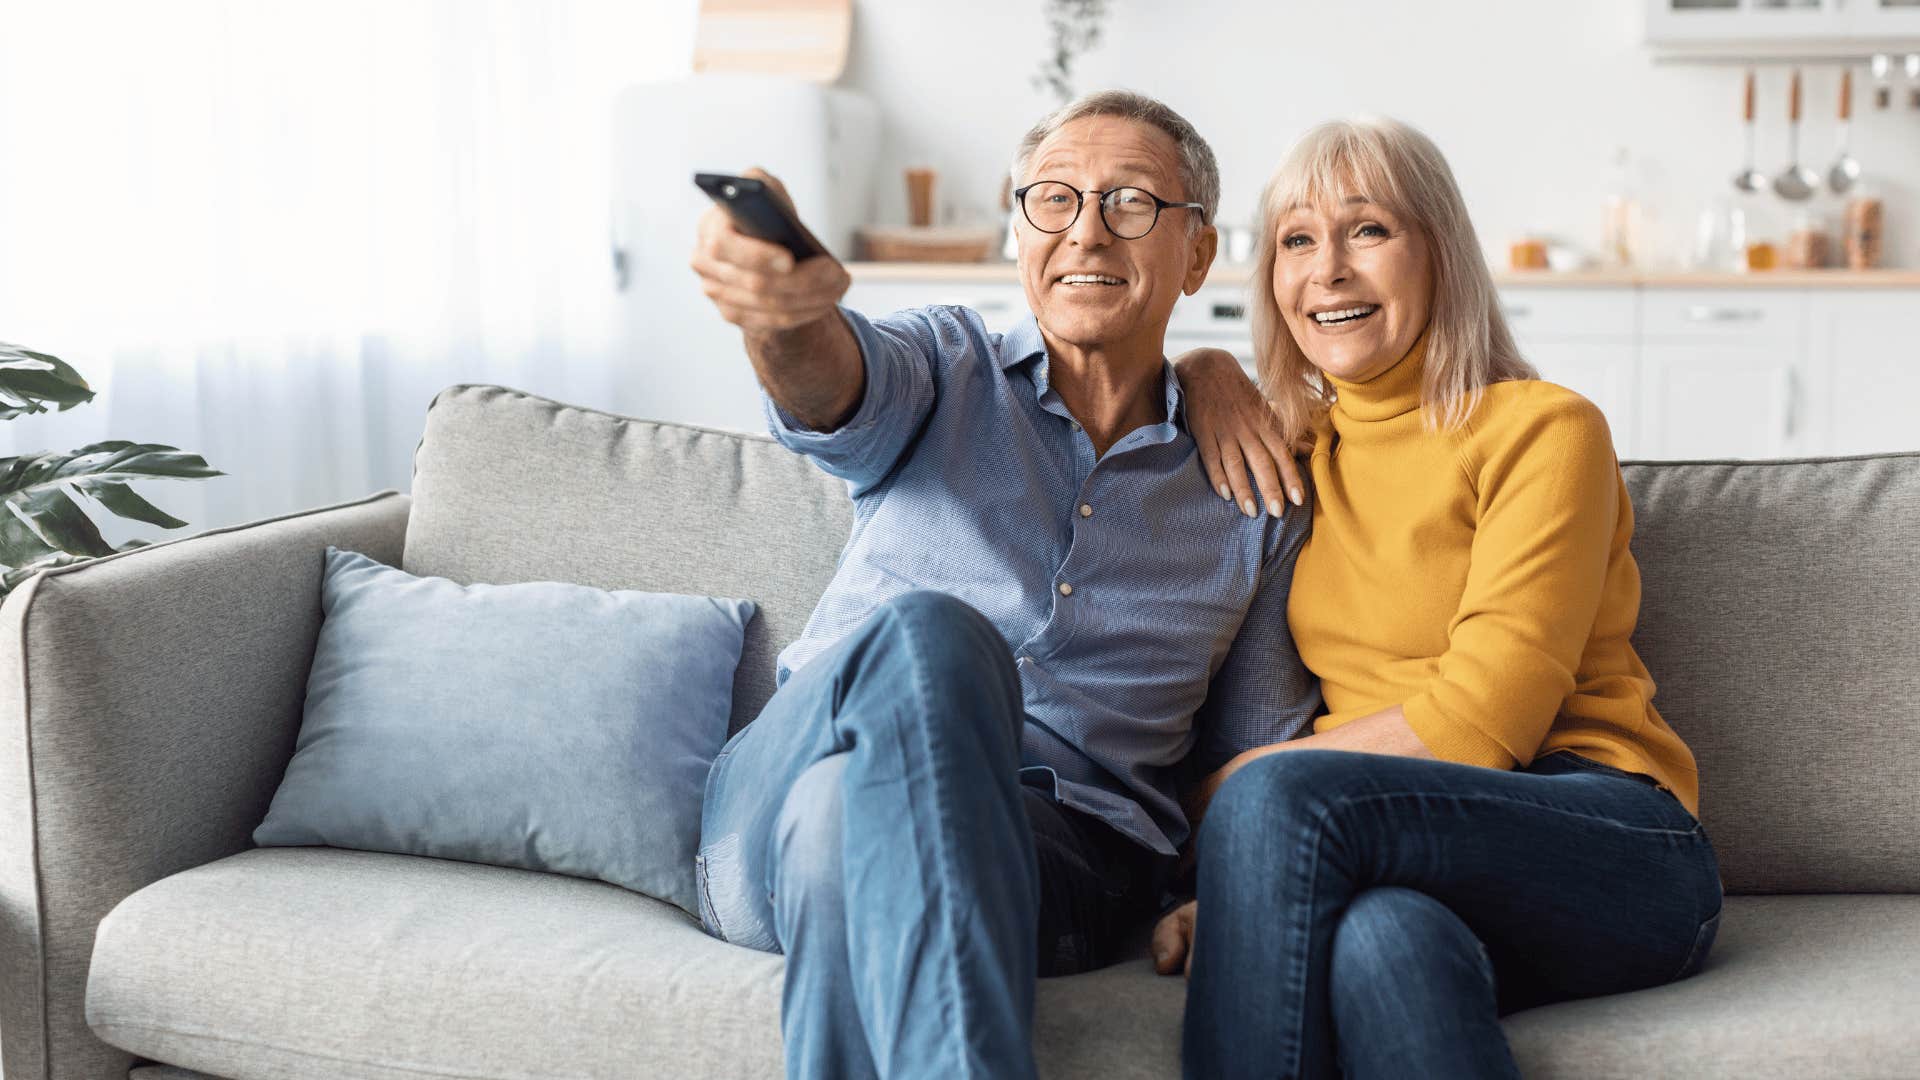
541, 725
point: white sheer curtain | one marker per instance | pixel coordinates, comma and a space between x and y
267, 232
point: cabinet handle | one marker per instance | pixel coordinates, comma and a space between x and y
1793, 403
1708, 313
1517, 311
1229, 311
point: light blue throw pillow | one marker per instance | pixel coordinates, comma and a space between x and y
541, 725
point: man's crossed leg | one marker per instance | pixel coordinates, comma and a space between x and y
871, 825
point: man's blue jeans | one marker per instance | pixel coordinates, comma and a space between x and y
1374, 916
871, 825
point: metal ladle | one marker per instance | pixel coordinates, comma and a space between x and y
1846, 170
1750, 178
1796, 181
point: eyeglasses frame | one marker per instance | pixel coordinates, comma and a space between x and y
1159, 204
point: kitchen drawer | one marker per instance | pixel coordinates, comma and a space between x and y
1560, 313
1001, 304
1724, 314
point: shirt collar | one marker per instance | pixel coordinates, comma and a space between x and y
1024, 343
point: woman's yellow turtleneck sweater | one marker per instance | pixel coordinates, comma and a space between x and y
1480, 579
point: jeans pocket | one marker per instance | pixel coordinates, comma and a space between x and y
1702, 945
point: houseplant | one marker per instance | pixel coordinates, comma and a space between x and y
46, 522
1073, 28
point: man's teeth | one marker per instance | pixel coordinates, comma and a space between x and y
1329, 318
1090, 279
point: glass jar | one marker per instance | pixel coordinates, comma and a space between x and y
1809, 243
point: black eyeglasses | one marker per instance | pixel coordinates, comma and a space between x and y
1128, 212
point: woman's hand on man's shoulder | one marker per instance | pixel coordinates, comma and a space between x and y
1241, 444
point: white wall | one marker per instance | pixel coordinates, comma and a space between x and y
1528, 98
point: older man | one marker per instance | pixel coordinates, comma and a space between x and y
968, 774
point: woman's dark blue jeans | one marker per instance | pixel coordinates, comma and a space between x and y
1373, 916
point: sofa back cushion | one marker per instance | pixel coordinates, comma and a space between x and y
1780, 617
511, 487
1780, 614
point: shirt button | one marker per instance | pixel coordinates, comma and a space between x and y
1066, 589
1086, 510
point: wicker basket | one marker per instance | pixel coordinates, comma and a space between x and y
933, 243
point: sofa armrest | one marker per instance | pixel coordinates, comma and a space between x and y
149, 703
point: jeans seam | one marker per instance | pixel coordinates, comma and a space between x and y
942, 848
712, 913
1693, 950
1382, 796
1305, 929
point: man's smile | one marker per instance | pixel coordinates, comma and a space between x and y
1095, 280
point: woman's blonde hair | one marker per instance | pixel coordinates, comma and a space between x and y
1468, 344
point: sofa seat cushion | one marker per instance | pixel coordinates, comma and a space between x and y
1796, 986
296, 962
325, 963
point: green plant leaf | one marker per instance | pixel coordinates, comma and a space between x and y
119, 460
123, 501
111, 464
29, 380
59, 520
20, 545
40, 487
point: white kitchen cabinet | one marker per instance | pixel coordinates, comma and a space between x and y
1867, 344
1722, 374
1721, 400
1758, 29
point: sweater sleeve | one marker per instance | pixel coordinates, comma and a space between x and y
1547, 493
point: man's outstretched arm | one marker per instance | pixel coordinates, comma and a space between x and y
802, 350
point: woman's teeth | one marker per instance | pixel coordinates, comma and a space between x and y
1334, 318
1090, 279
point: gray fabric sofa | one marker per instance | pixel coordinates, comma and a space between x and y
149, 702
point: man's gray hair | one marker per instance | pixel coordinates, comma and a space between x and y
1199, 172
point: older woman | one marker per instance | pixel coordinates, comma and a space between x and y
1491, 814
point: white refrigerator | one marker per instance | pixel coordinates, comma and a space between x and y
673, 357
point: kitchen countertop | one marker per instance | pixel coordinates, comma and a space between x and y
1237, 274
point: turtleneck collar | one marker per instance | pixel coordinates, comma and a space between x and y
1394, 392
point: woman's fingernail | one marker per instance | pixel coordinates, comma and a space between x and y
1225, 494
1247, 507
1294, 494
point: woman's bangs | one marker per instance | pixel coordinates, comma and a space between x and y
1331, 165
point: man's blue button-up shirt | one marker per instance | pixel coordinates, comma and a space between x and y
1147, 616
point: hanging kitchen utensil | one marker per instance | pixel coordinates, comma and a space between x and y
1796, 181
1882, 88
1749, 178
1846, 170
